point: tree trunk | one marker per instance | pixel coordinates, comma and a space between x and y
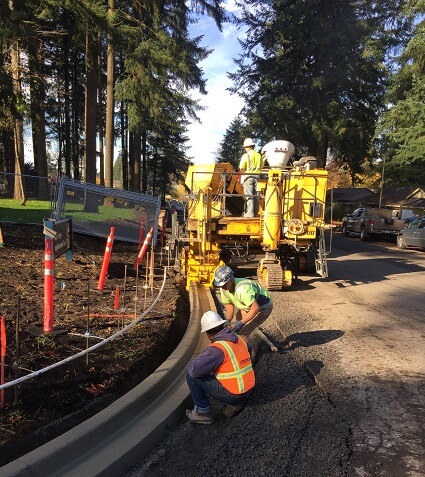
18, 127
90, 108
110, 106
319, 149
322, 153
155, 172
124, 134
100, 121
38, 99
130, 160
66, 140
75, 142
124, 148
144, 165
137, 151
164, 179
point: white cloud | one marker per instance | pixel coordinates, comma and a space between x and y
221, 107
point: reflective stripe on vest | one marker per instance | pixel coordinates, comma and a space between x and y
243, 377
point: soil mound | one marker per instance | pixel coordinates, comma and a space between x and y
41, 408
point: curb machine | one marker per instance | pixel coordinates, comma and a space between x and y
289, 227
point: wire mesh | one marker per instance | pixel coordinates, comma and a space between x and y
95, 209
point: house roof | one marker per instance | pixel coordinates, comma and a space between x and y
408, 197
351, 195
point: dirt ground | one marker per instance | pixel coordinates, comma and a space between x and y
38, 409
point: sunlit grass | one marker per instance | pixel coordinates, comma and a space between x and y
33, 212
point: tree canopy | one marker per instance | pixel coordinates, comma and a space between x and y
342, 80
85, 68
402, 126
317, 72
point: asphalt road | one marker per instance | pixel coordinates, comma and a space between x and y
344, 394
374, 372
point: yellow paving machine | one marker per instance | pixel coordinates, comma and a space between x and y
288, 228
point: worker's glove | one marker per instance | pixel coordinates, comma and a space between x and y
237, 327
226, 324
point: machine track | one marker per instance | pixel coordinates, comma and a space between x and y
272, 277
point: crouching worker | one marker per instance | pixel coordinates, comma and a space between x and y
222, 371
243, 299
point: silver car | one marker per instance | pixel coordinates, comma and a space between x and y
414, 235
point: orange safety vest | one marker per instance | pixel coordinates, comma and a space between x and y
235, 373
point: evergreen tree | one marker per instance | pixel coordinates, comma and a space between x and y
402, 127
312, 72
230, 149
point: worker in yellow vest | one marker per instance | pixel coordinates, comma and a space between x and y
245, 301
222, 371
250, 166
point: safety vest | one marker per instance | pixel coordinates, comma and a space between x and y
251, 161
244, 293
235, 373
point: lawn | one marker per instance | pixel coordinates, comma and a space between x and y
32, 213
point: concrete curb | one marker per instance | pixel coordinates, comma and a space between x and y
114, 440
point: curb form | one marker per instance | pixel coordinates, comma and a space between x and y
114, 440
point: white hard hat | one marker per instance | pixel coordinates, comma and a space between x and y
248, 142
210, 320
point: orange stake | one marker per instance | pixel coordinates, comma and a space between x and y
106, 259
49, 278
117, 298
143, 249
3, 355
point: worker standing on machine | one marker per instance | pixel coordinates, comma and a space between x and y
223, 371
243, 299
250, 166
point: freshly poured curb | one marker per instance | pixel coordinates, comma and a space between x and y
114, 440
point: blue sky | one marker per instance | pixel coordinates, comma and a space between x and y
221, 106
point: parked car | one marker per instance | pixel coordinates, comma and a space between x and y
409, 220
369, 222
413, 235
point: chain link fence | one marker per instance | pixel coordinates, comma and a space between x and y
34, 187
26, 198
95, 210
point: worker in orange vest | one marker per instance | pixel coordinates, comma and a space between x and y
222, 371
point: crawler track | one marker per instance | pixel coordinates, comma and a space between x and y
116, 438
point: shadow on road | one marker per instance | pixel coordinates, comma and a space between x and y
312, 338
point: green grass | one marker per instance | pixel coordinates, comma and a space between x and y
36, 210
104, 212
32, 213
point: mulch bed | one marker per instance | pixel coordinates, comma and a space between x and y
45, 406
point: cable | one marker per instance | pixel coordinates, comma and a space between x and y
92, 348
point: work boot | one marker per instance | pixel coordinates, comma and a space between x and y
197, 418
230, 410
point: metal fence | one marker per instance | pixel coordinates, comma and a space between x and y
95, 209
34, 187
33, 202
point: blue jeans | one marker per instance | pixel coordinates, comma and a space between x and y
250, 189
200, 388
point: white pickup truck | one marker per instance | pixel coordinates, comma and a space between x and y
368, 222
